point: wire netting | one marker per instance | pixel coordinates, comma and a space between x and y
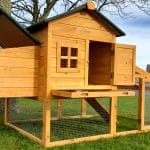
28, 116
147, 104
69, 123
127, 113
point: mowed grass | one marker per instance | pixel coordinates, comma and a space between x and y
10, 139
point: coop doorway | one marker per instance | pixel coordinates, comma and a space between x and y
99, 63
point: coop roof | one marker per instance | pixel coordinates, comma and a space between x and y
12, 34
94, 12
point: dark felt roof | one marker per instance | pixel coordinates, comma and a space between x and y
10, 28
95, 13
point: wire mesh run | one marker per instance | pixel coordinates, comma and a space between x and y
147, 104
28, 116
70, 121
127, 113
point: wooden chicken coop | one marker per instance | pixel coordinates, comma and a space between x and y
71, 56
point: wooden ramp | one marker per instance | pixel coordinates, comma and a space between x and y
98, 108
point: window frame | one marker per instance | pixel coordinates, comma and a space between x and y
69, 45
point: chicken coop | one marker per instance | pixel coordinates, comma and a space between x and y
71, 79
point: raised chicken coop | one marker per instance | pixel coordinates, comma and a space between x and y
73, 82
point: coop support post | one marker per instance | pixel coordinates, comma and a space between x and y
141, 104
113, 115
6, 111
59, 108
83, 107
46, 122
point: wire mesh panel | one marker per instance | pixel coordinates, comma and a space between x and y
28, 116
147, 104
73, 125
127, 113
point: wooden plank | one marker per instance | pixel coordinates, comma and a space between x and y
10, 72
86, 74
82, 33
67, 81
18, 92
18, 82
124, 64
85, 94
78, 140
77, 87
18, 62
25, 133
113, 115
31, 52
86, 20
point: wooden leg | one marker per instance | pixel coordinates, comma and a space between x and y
113, 115
83, 107
46, 122
6, 111
141, 104
59, 108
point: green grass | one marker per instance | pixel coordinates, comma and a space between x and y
73, 128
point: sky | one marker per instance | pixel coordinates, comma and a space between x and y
137, 29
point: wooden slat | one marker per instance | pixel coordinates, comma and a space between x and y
18, 82
30, 52
18, 92
77, 87
82, 33
85, 94
18, 62
18, 72
67, 81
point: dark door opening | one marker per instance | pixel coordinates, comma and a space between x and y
99, 63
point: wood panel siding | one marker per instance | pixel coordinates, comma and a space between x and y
68, 77
19, 68
83, 26
42, 35
124, 64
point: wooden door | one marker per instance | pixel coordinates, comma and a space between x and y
124, 64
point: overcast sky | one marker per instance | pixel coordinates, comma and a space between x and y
137, 29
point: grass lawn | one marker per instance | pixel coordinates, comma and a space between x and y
11, 140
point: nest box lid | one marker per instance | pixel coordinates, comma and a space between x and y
90, 7
13, 34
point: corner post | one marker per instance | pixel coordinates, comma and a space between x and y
113, 115
141, 103
46, 122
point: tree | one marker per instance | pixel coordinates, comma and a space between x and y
32, 11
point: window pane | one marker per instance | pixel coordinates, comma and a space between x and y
74, 52
64, 51
64, 63
73, 63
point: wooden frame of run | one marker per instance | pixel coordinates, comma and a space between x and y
45, 141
